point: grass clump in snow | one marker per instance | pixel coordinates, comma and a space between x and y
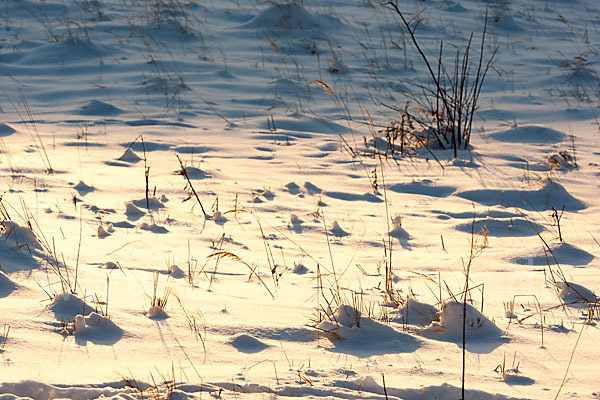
158, 304
163, 386
4, 336
446, 107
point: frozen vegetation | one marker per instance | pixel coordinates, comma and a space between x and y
319, 199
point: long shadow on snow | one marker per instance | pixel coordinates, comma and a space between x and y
514, 227
551, 195
6, 285
374, 338
302, 335
353, 197
14, 258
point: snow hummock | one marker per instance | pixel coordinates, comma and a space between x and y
97, 329
528, 134
450, 324
292, 19
337, 231
350, 332
501, 227
299, 268
219, 218
83, 188
109, 265
6, 285
6, 130
151, 203
129, 156
155, 312
295, 220
102, 233
573, 293
176, 272
20, 236
552, 194
132, 212
66, 306
154, 228
97, 107
194, 173
425, 187
397, 230
414, 312
245, 343
564, 253
31, 389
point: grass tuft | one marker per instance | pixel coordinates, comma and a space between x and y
445, 108
4, 336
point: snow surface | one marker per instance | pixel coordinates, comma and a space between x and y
297, 262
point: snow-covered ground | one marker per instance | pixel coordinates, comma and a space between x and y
192, 205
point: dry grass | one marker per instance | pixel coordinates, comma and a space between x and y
4, 336
195, 321
162, 386
157, 302
446, 107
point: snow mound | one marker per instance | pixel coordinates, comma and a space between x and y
551, 195
518, 380
565, 253
19, 235
345, 316
528, 134
312, 189
413, 312
109, 265
70, 51
445, 391
17, 259
156, 313
6, 130
219, 218
152, 202
153, 228
176, 272
504, 20
424, 187
129, 157
398, 231
572, 293
562, 160
7, 286
247, 344
293, 188
102, 233
194, 173
513, 227
337, 231
132, 212
97, 329
369, 197
125, 224
66, 306
292, 19
83, 188
28, 389
301, 125
450, 325
299, 269
352, 333
295, 220
99, 108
